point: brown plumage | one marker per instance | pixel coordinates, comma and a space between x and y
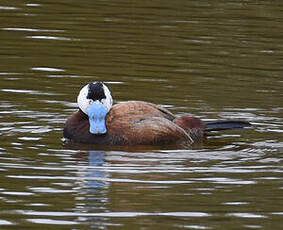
137, 123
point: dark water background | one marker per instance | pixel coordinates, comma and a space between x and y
214, 59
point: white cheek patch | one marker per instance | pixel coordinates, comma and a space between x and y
84, 102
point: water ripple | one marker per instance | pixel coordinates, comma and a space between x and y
47, 69
46, 37
246, 215
5, 222
51, 221
26, 91
30, 29
8, 8
49, 190
112, 214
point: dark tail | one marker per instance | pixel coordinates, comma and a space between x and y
223, 125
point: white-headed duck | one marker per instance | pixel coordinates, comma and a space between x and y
133, 122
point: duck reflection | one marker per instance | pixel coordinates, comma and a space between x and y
92, 196
95, 173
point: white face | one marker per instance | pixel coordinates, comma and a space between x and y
84, 103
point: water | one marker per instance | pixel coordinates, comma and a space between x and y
216, 60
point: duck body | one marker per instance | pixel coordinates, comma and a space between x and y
136, 123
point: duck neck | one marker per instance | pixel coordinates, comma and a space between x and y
82, 114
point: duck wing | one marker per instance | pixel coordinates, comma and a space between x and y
143, 123
133, 108
140, 130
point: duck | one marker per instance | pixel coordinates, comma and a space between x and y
99, 122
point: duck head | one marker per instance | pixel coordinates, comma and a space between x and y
95, 100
